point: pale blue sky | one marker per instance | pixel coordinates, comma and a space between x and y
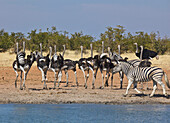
89, 16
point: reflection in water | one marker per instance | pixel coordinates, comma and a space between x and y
96, 113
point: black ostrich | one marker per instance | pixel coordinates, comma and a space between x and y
147, 54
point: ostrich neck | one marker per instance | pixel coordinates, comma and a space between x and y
141, 53
119, 49
136, 48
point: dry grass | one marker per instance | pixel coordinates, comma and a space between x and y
163, 62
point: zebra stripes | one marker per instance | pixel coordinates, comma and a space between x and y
142, 74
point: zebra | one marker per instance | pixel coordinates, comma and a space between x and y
135, 62
142, 74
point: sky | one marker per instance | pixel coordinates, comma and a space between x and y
89, 16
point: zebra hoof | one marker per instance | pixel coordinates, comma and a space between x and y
93, 87
85, 87
77, 84
21, 88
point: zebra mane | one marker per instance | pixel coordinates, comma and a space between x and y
125, 61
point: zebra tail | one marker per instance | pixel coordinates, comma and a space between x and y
166, 80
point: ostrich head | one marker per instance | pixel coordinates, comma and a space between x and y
136, 47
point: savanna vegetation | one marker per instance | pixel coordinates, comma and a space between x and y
111, 37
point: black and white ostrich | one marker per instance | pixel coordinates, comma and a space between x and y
147, 54
86, 64
42, 64
23, 65
145, 62
105, 65
114, 56
58, 64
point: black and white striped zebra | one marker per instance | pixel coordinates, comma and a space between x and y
142, 74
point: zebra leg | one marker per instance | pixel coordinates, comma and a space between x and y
66, 73
154, 88
16, 79
21, 88
163, 87
135, 85
93, 77
128, 87
121, 74
84, 76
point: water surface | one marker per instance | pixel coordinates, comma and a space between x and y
83, 113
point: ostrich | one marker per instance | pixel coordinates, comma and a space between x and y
113, 56
147, 54
64, 46
105, 65
23, 65
42, 64
58, 64
85, 64
144, 63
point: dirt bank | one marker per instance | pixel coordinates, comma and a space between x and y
72, 94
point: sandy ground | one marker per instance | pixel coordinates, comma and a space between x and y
72, 94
